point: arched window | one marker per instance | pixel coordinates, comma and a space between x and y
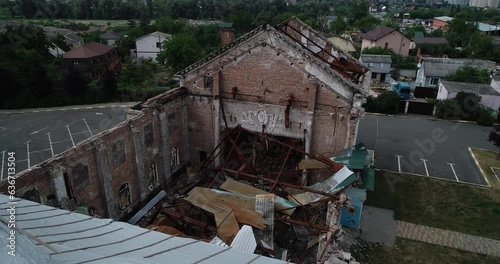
124, 196
153, 176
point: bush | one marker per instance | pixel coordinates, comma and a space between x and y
485, 117
447, 109
386, 103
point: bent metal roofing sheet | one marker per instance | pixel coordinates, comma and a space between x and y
51, 235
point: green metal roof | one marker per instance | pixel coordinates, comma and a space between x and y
354, 157
225, 25
369, 179
419, 34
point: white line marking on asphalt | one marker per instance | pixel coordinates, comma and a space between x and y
50, 142
81, 132
98, 113
60, 141
3, 161
76, 108
28, 151
123, 106
69, 132
84, 120
21, 160
88, 107
3, 128
49, 110
425, 165
40, 150
101, 106
376, 140
37, 111
399, 163
453, 169
38, 131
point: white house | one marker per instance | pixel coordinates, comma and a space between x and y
433, 70
148, 47
489, 96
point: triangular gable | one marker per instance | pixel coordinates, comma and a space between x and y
331, 69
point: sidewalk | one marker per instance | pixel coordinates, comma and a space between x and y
447, 238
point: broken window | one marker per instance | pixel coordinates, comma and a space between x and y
208, 82
67, 183
118, 150
153, 176
175, 158
80, 174
149, 135
124, 196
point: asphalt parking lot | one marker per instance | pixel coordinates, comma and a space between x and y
37, 136
426, 147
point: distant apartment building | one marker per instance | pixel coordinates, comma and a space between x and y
458, 2
485, 3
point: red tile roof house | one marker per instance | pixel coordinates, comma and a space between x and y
388, 38
90, 55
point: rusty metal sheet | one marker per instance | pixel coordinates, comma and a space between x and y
264, 204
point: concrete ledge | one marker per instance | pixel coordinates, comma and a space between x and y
425, 117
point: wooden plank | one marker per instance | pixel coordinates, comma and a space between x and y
312, 164
227, 226
216, 203
280, 204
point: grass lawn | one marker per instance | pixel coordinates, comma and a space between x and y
488, 159
408, 252
437, 203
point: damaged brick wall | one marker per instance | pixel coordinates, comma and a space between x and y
135, 154
266, 74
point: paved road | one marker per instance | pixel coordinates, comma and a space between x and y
35, 137
442, 146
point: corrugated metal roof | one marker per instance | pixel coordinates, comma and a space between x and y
353, 157
245, 240
83, 239
477, 88
443, 67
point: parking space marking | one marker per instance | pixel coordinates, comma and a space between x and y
69, 132
43, 150
77, 133
38, 131
84, 120
60, 141
21, 160
3, 161
50, 142
425, 165
399, 163
28, 151
453, 169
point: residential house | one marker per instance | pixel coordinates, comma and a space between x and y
344, 43
489, 96
90, 56
379, 65
434, 70
388, 38
111, 38
442, 23
73, 40
148, 46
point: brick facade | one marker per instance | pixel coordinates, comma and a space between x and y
265, 82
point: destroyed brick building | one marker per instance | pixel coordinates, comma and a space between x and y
256, 110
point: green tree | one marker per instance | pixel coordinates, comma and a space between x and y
471, 75
179, 52
494, 137
367, 23
377, 51
74, 82
386, 103
339, 25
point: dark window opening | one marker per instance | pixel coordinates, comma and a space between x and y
208, 82
149, 135
68, 186
203, 156
175, 158
158, 45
